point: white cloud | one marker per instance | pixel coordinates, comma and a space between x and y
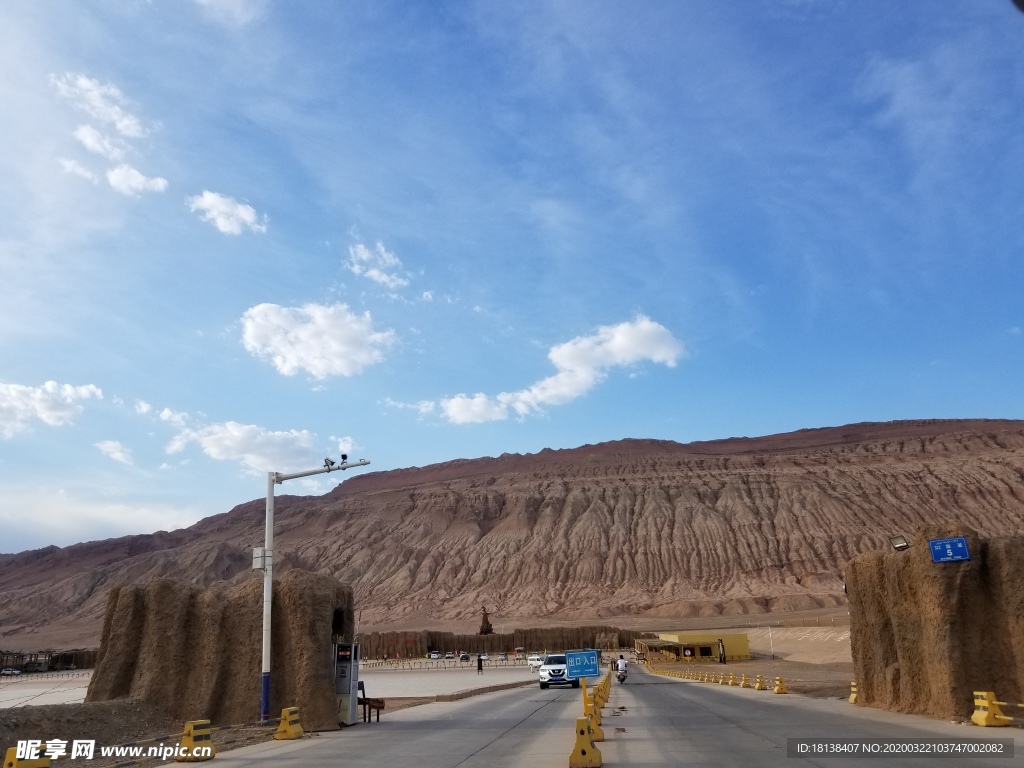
379, 265
423, 407
177, 418
52, 403
99, 143
463, 409
234, 13
142, 407
76, 168
321, 340
129, 181
428, 295
226, 214
345, 444
103, 102
256, 448
115, 450
581, 363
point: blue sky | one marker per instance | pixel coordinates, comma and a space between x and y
243, 235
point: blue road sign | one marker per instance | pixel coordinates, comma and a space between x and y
949, 550
581, 664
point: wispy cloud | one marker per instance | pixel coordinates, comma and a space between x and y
423, 407
323, 340
938, 103
99, 143
379, 265
52, 403
227, 214
76, 168
582, 363
128, 181
115, 450
232, 13
105, 102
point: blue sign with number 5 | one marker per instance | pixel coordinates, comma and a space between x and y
949, 550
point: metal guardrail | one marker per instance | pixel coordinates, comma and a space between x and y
29, 676
439, 664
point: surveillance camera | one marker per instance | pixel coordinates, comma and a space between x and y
328, 463
344, 457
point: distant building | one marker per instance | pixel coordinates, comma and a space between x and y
697, 646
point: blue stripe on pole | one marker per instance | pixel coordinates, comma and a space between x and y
265, 697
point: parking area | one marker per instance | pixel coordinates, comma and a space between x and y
46, 688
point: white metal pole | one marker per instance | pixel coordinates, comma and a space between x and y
770, 639
268, 597
268, 566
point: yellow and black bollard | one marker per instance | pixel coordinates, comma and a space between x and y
196, 737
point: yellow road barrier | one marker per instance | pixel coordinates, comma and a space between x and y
195, 738
745, 682
853, 691
596, 733
11, 760
732, 679
988, 712
290, 728
723, 680
584, 754
588, 705
780, 686
759, 684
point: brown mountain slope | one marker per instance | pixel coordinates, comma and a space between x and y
649, 527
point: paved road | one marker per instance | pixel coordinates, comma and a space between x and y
686, 723
521, 728
664, 722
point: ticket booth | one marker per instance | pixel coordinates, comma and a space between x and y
346, 682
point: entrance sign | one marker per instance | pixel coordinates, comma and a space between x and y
581, 664
949, 550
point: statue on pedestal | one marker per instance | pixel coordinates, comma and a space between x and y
485, 623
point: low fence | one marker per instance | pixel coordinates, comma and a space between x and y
438, 664
30, 676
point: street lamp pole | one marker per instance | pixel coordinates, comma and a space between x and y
263, 559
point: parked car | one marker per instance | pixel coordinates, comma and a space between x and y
535, 661
485, 657
10, 672
463, 656
435, 655
553, 672
449, 655
502, 656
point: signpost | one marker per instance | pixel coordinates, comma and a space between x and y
581, 664
949, 550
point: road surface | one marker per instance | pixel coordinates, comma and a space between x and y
649, 721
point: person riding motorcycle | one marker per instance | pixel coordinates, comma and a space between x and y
621, 666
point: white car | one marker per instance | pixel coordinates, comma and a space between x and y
10, 672
435, 655
554, 672
535, 661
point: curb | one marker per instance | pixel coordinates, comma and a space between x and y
477, 691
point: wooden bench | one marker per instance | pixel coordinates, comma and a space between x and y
368, 706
